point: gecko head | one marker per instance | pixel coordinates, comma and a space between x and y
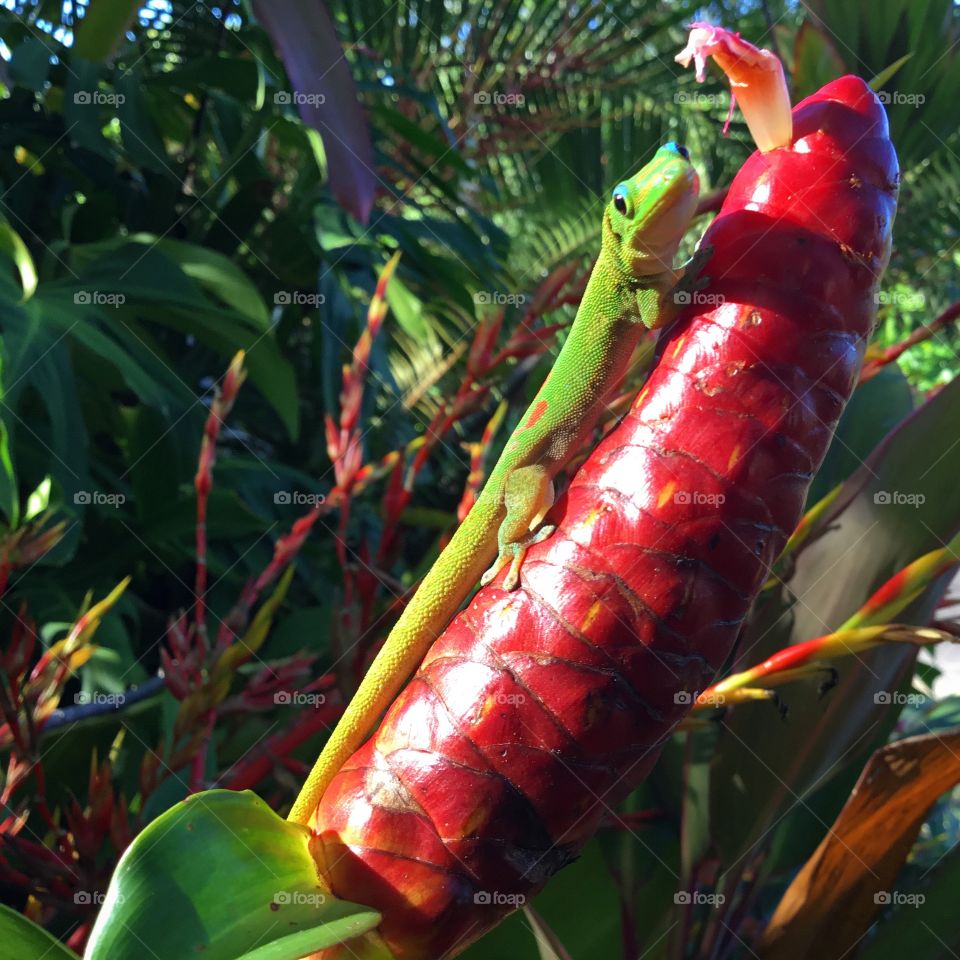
648, 214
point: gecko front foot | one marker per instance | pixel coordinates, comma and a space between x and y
514, 554
691, 277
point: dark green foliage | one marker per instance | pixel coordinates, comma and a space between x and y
161, 210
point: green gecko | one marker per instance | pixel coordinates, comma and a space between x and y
631, 289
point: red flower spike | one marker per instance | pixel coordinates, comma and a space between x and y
220, 408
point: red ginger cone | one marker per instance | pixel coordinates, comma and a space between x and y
536, 711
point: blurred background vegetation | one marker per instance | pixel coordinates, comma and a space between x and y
183, 193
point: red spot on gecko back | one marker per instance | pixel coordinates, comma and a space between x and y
539, 409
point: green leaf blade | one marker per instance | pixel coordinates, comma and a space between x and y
222, 876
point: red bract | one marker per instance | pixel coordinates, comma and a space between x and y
538, 710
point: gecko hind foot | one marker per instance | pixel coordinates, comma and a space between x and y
514, 553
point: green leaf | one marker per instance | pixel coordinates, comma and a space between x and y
275, 379
23, 939
145, 373
240, 78
935, 913
165, 282
12, 245
875, 408
103, 26
141, 140
30, 64
549, 946
39, 500
408, 309
38, 360
9, 495
221, 277
81, 113
223, 876
815, 60
888, 73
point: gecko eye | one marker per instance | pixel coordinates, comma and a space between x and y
621, 200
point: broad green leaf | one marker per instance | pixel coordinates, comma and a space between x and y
150, 280
22, 939
135, 267
221, 277
220, 874
699, 749
154, 382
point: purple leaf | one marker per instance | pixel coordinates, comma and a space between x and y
325, 95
